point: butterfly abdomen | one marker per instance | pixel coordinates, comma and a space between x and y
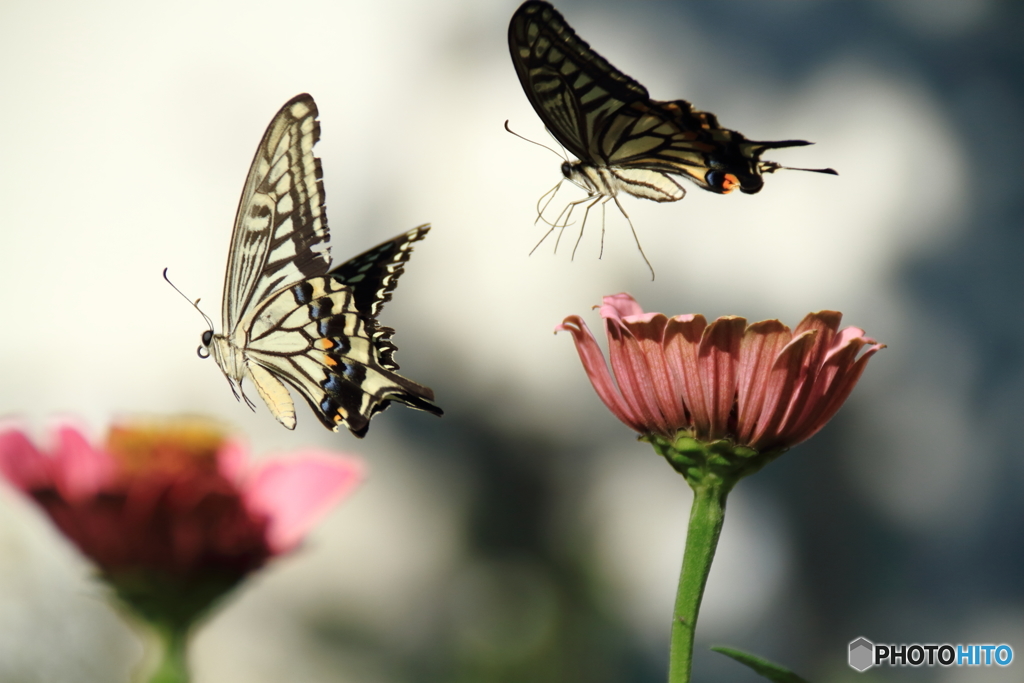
608, 181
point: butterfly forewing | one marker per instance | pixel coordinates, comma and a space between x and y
570, 86
280, 233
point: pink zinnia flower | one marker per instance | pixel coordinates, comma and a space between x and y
761, 386
170, 511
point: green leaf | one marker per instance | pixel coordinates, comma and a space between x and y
770, 670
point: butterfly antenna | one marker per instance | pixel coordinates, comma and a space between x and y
195, 304
565, 152
534, 142
635, 238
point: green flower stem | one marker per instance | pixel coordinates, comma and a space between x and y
173, 663
711, 469
706, 517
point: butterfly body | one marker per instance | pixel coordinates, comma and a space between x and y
624, 140
289, 320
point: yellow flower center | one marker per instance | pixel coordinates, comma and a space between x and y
166, 444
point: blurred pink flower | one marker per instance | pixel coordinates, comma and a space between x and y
760, 385
174, 503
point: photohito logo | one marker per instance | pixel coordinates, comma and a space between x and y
864, 654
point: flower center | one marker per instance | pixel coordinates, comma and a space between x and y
166, 445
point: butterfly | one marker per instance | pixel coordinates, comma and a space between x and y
625, 141
290, 320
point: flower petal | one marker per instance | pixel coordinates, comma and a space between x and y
788, 371
596, 369
633, 374
21, 464
233, 460
717, 360
79, 470
822, 320
296, 493
761, 345
651, 339
636, 351
834, 381
682, 346
620, 306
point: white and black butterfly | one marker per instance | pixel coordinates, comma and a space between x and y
624, 140
289, 320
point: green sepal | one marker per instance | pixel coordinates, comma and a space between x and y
167, 602
720, 462
770, 670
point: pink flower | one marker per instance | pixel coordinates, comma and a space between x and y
174, 504
762, 385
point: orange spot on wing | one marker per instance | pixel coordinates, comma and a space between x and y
730, 183
330, 362
325, 343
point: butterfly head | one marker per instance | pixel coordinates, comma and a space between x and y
587, 176
204, 349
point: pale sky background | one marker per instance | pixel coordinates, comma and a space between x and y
127, 131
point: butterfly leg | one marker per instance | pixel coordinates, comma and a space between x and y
635, 238
551, 230
567, 213
550, 194
554, 226
241, 390
558, 219
591, 201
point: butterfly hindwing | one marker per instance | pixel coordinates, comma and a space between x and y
289, 321
321, 336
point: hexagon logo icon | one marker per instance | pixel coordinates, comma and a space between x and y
862, 654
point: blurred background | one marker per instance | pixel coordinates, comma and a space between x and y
527, 536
